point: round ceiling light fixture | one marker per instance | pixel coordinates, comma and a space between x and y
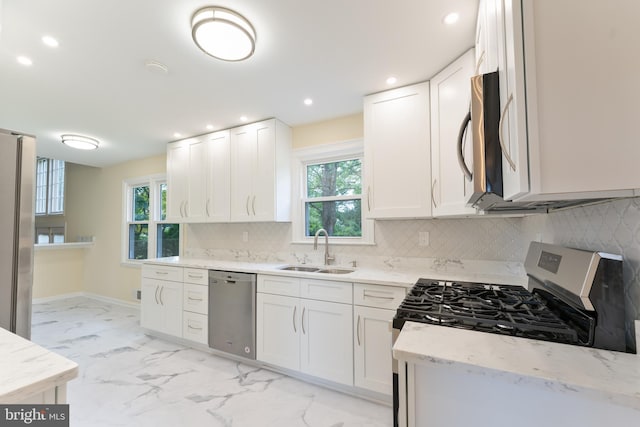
223, 33
80, 142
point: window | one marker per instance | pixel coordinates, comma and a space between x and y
49, 186
331, 194
147, 234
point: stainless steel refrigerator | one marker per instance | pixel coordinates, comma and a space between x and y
17, 178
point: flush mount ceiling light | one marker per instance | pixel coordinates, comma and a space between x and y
223, 33
80, 142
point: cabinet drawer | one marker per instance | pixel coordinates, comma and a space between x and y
378, 296
198, 276
162, 272
279, 285
326, 290
195, 328
195, 298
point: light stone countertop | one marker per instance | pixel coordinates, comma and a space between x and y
603, 375
480, 271
26, 369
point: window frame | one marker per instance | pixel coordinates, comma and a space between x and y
327, 153
51, 187
155, 212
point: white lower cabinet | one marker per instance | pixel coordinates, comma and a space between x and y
373, 311
307, 335
195, 327
372, 349
161, 306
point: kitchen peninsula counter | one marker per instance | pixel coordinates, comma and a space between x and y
538, 375
30, 373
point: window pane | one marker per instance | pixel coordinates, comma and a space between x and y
340, 218
163, 202
140, 203
41, 185
168, 240
56, 186
334, 179
138, 241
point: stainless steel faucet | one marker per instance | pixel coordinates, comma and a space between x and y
327, 257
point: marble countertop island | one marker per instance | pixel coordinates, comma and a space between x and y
26, 369
599, 374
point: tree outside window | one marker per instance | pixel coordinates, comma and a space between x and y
333, 198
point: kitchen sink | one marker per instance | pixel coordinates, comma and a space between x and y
335, 271
299, 268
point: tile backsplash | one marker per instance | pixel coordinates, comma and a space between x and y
610, 227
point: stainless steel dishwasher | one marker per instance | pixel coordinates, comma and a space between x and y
232, 312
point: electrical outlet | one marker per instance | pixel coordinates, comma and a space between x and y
245, 236
423, 238
137, 294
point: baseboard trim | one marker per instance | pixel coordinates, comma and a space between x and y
89, 295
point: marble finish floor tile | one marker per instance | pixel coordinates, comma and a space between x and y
128, 378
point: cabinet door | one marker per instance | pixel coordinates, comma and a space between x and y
264, 176
327, 341
196, 181
397, 153
177, 185
372, 348
150, 308
218, 178
243, 142
170, 297
450, 98
278, 330
512, 131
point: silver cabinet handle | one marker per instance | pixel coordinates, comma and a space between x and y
156, 295
161, 291
369, 198
433, 199
182, 209
206, 207
366, 295
253, 205
194, 328
186, 209
500, 138
197, 276
162, 273
194, 299
246, 205
461, 161
302, 322
358, 330
295, 309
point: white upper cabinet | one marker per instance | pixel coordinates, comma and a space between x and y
450, 97
568, 97
261, 172
397, 153
198, 178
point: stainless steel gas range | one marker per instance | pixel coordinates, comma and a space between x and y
573, 297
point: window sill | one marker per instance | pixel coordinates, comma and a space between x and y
62, 246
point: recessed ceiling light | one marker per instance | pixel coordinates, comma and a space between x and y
80, 142
308, 101
50, 41
392, 80
451, 18
223, 33
24, 60
243, 118
209, 127
177, 134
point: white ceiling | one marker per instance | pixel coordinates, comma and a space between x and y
96, 84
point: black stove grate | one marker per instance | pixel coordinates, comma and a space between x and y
501, 309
